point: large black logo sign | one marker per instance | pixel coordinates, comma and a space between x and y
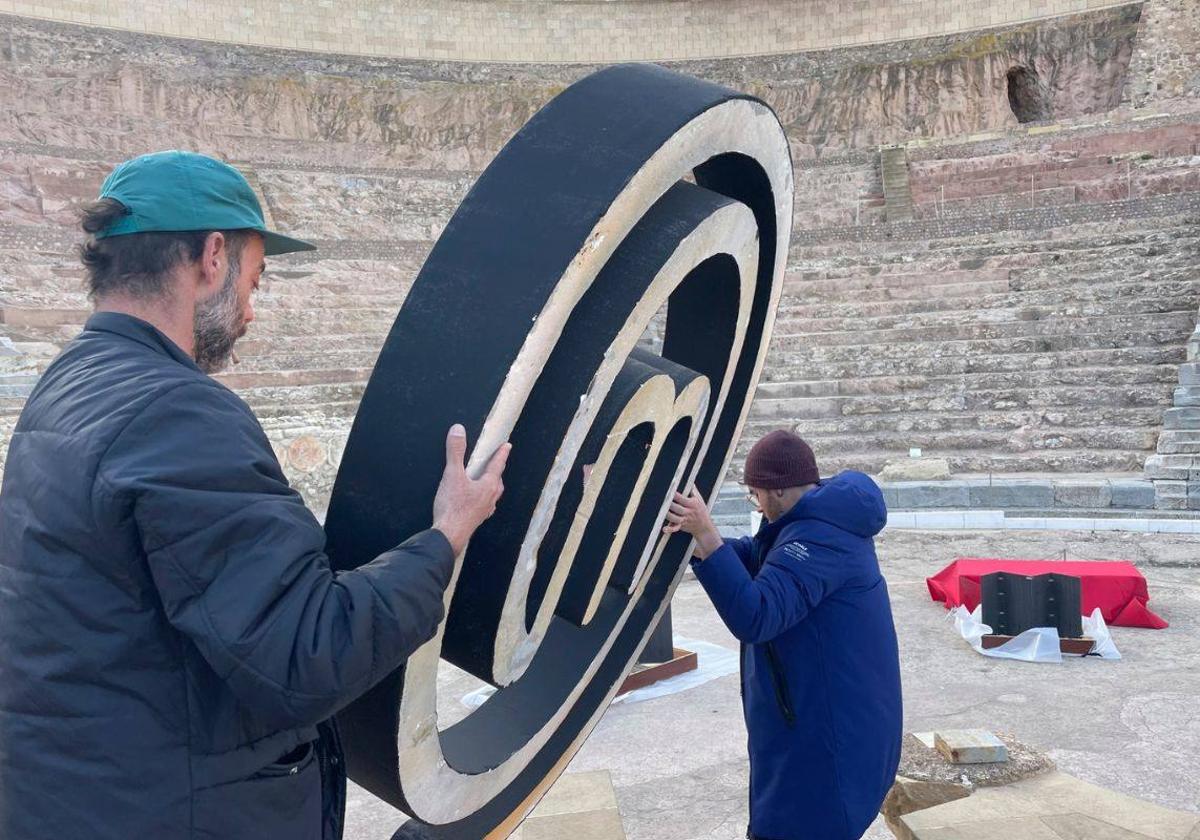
633, 189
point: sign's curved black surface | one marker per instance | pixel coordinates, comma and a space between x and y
636, 188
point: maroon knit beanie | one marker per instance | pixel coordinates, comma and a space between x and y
781, 459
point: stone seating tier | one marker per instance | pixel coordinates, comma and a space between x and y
1015, 348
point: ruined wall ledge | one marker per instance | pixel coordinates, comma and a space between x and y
1039, 218
551, 31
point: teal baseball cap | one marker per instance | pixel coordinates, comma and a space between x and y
177, 191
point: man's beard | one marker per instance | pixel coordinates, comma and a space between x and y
218, 324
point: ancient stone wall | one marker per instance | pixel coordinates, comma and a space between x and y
1031, 316
553, 30
1166, 62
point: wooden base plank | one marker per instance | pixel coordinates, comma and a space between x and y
1080, 647
644, 675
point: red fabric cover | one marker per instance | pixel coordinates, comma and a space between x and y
1116, 587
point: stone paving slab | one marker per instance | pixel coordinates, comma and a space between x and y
580, 806
1056, 806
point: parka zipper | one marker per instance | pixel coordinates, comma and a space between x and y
781, 690
329, 754
777, 675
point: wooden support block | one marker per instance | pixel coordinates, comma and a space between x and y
1079, 647
970, 746
644, 675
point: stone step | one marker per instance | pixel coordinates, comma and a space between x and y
60, 323
275, 413
841, 362
832, 460
1186, 396
793, 408
283, 301
946, 443
17, 386
916, 291
1113, 236
1183, 417
1182, 321
1007, 181
732, 504
1189, 374
1003, 201
875, 262
1020, 376
1025, 248
319, 358
900, 373
984, 314
389, 279
18, 316
1141, 420
841, 287
10, 407
1114, 265
318, 322
1176, 494
1119, 289
967, 460
1179, 442
253, 345
1103, 272
917, 355
1101, 183
950, 170
1081, 282
248, 381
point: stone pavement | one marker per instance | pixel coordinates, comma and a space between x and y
1051, 807
580, 806
678, 763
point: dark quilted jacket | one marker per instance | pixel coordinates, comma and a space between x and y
173, 641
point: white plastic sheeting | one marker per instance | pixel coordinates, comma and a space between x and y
1039, 644
713, 661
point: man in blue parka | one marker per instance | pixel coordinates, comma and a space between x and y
820, 665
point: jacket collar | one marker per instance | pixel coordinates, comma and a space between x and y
135, 329
768, 531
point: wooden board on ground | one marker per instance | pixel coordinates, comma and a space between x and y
970, 746
644, 675
1079, 647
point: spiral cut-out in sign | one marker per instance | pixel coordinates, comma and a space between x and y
523, 326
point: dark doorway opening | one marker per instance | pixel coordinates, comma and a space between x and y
1027, 96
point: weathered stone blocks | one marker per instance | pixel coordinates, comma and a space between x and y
931, 494
1012, 494
1082, 494
1132, 494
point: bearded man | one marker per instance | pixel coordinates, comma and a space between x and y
173, 641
